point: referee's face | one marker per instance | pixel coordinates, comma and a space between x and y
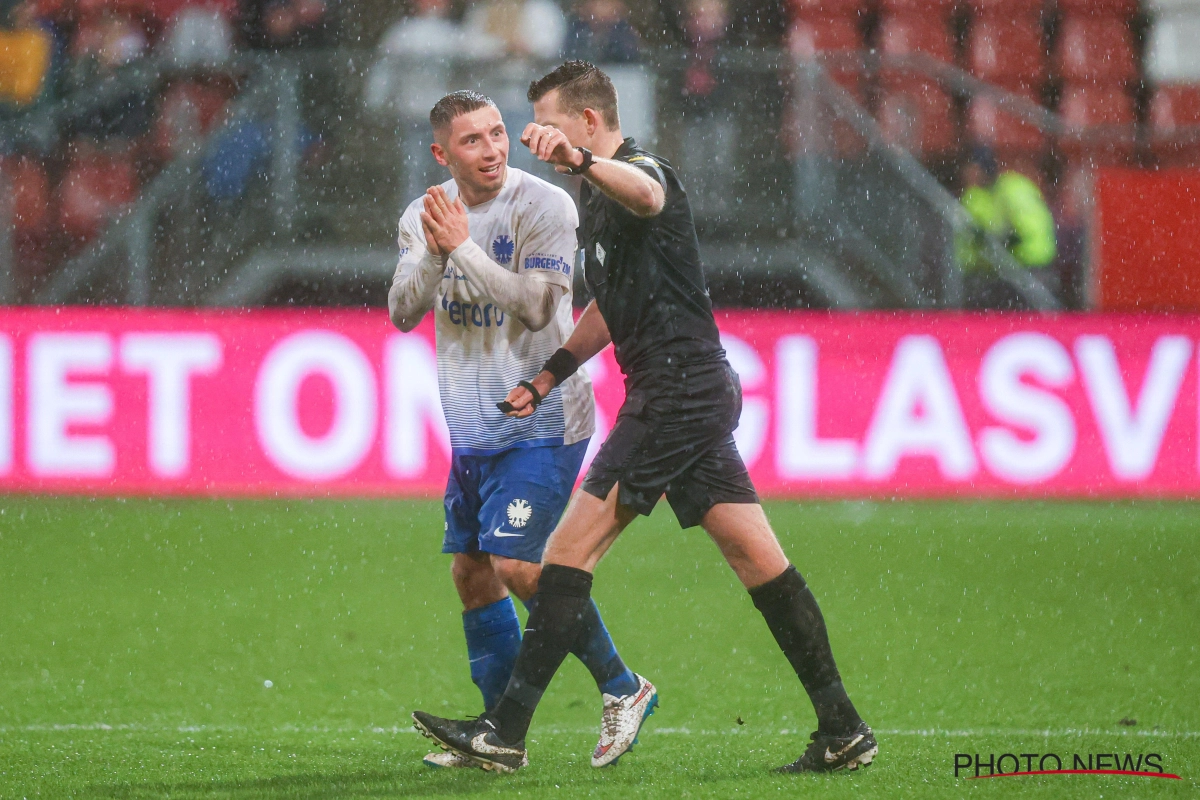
547, 112
476, 152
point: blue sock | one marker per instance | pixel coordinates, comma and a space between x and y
596, 650
493, 639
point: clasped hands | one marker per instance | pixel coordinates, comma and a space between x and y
444, 222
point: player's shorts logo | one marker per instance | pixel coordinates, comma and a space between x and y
519, 512
503, 249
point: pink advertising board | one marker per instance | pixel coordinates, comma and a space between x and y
265, 403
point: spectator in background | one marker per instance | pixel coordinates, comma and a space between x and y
416, 56
285, 24
517, 28
705, 26
102, 46
599, 31
1007, 210
26, 54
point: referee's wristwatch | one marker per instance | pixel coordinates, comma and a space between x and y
585, 166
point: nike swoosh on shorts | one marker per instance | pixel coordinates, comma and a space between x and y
500, 535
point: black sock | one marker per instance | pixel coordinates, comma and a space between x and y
595, 649
794, 618
563, 600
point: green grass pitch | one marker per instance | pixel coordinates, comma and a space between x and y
137, 637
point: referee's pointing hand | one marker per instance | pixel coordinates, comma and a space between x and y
551, 145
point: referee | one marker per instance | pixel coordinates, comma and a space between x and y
673, 435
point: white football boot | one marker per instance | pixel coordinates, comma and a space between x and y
448, 759
623, 718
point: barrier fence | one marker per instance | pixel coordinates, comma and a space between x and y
316, 402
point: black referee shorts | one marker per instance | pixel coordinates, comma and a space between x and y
674, 436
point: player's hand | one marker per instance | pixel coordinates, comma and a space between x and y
430, 242
521, 399
551, 145
445, 220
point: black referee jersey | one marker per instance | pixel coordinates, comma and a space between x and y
674, 432
645, 273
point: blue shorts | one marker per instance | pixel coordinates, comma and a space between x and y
508, 503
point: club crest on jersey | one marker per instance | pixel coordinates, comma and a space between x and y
503, 248
600, 254
519, 512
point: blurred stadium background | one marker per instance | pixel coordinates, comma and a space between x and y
198, 210
169, 152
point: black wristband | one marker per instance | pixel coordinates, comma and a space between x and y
587, 162
537, 396
561, 365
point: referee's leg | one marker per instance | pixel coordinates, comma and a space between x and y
779, 592
587, 529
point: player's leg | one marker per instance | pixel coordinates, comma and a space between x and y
490, 624
593, 520
497, 740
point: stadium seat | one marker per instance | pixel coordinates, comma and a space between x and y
808, 38
94, 188
1007, 133
1171, 52
30, 192
918, 115
1096, 8
1007, 50
1094, 49
1006, 8
1174, 123
188, 110
903, 34
807, 9
918, 7
1100, 123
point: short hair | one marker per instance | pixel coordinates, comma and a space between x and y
580, 85
455, 104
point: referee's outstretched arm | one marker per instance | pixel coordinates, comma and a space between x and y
629, 186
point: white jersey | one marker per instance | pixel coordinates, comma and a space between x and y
482, 351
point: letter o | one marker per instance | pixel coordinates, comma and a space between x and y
352, 432
1000, 760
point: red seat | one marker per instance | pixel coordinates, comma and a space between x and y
1095, 49
1115, 8
187, 112
1007, 133
809, 38
95, 187
1100, 124
1007, 50
30, 192
813, 35
918, 115
925, 7
905, 34
805, 9
1004, 7
1174, 123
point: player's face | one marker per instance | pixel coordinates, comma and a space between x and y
575, 126
476, 151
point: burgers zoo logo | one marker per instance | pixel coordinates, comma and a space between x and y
1013, 765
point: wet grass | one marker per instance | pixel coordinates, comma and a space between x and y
137, 639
